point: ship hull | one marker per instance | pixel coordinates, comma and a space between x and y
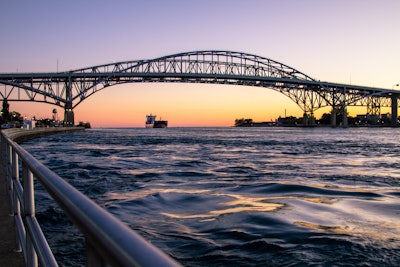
160, 124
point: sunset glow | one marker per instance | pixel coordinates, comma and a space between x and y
336, 41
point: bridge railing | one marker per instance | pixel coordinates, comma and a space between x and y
109, 242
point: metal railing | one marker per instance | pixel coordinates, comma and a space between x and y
109, 242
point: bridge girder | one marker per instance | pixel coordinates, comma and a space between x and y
69, 89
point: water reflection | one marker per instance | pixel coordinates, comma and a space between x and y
245, 197
236, 203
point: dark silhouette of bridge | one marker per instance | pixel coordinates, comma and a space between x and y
69, 89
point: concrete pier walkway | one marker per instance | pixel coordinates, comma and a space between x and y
8, 255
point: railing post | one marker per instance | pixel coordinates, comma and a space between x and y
29, 211
2, 145
8, 176
16, 210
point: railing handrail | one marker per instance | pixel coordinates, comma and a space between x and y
108, 239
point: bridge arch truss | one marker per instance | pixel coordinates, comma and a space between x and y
69, 89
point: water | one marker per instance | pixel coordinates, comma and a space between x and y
235, 196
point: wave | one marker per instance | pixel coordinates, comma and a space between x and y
244, 197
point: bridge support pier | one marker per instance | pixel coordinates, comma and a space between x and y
305, 119
345, 121
333, 117
308, 119
312, 120
69, 119
395, 104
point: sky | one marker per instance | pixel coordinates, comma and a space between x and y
344, 41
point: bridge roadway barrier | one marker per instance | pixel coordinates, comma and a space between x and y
109, 242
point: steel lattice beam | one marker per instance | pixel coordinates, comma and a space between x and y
69, 89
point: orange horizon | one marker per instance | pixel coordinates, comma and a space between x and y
183, 105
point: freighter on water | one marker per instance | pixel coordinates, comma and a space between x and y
151, 122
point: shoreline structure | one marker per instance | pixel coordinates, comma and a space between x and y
19, 135
8, 255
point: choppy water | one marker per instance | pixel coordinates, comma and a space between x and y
236, 196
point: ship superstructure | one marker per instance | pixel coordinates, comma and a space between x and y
151, 122
150, 119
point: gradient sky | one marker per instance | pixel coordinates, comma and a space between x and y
344, 41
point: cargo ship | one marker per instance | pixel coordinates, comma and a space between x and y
151, 122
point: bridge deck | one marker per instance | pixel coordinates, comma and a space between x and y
8, 256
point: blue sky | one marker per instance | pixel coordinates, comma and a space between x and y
353, 41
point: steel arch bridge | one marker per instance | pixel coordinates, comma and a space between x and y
69, 89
